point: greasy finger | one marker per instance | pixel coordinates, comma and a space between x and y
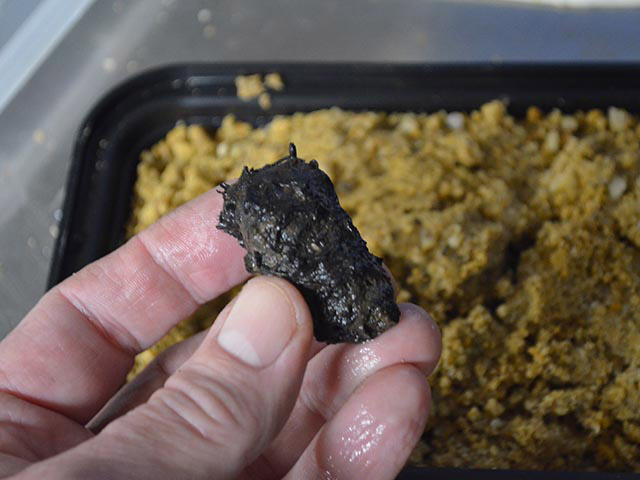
338, 370
374, 432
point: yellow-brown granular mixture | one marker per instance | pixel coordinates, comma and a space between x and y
521, 237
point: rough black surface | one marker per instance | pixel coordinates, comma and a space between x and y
288, 218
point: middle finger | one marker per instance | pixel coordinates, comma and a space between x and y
336, 372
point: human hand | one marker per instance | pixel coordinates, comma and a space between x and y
254, 396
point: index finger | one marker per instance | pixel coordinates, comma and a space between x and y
74, 349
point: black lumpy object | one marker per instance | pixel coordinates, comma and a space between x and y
288, 218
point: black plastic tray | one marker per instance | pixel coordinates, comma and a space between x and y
143, 109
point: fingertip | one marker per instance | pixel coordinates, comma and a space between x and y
406, 414
303, 318
414, 340
266, 319
426, 332
302, 312
374, 433
302, 339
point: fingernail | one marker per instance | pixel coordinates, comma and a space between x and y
260, 323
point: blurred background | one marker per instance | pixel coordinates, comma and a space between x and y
57, 58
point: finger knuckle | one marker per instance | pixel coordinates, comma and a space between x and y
216, 406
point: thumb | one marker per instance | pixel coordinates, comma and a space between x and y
218, 412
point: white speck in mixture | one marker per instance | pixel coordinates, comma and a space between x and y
569, 123
616, 187
222, 149
552, 141
618, 119
455, 120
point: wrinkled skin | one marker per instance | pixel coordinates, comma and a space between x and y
288, 218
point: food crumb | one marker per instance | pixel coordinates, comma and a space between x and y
264, 100
109, 64
209, 31
618, 119
552, 141
38, 136
249, 86
455, 120
54, 230
568, 123
274, 81
494, 408
204, 15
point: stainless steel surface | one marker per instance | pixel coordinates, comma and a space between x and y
12, 15
32, 38
116, 39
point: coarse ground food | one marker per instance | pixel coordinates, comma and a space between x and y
520, 236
